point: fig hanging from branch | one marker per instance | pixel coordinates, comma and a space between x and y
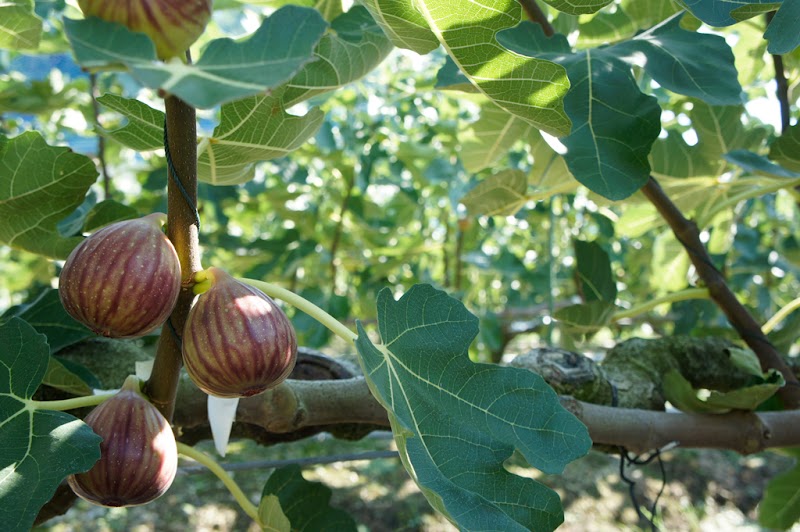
172, 25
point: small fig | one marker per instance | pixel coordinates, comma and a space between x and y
138, 454
123, 280
237, 342
172, 25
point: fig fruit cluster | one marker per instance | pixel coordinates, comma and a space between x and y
123, 281
138, 454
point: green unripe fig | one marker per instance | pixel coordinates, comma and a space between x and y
173, 25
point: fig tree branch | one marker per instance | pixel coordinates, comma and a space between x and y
183, 231
536, 14
101, 139
782, 92
297, 405
337, 233
688, 235
746, 326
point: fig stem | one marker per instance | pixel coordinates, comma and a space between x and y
69, 404
682, 295
306, 306
202, 458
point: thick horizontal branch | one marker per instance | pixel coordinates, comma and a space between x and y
644, 430
299, 405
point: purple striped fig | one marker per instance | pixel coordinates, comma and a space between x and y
138, 454
237, 342
123, 280
172, 25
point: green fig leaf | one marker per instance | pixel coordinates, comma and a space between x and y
786, 149
144, 130
456, 422
501, 194
468, 32
271, 516
46, 314
614, 123
486, 141
782, 31
594, 272
306, 504
780, 507
727, 12
403, 24
20, 28
354, 48
40, 185
227, 70
40, 448
252, 130
585, 318
579, 7
686, 62
108, 212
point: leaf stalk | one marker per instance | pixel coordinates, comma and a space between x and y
202, 458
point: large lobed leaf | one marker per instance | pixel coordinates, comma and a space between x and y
490, 138
728, 12
614, 123
38, 448
404, 25
40, 185
529, 88
354, 47
456, 422
782, 32
20, 28
226, 71
501, 194
253, 129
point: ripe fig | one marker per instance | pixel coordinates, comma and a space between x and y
237, 342
123, 280
173, 25
138, 454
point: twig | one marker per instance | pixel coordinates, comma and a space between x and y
101, 140
746, 326
459, 250
536, 14
782, 92
337, 234
311, 460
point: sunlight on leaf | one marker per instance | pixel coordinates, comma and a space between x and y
40, 185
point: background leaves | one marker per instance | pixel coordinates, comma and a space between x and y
40, 185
